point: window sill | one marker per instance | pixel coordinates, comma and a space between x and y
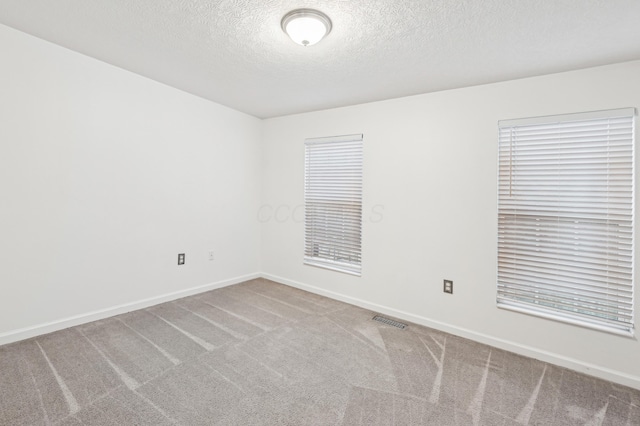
333, 266
624, 332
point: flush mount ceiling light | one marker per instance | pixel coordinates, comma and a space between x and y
306, 26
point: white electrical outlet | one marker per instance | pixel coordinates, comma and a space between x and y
211, 256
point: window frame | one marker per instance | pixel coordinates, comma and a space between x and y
333, 214
579, 313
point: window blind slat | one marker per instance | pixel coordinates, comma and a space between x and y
590, 302
565, 217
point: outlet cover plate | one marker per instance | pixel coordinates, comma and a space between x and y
181, 259
448, 286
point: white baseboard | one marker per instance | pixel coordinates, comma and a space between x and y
37, 330
560, 360
528, 351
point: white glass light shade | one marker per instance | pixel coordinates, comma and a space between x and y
306, 26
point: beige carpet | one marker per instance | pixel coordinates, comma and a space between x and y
260, 353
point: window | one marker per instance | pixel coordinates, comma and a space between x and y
565, 218
333, 203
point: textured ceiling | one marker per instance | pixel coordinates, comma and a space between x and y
233, 51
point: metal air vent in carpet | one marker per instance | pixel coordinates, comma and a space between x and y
390, 322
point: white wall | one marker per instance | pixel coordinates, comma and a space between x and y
105, 176
430, 194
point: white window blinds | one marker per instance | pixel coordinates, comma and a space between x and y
333, 203
565, 226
